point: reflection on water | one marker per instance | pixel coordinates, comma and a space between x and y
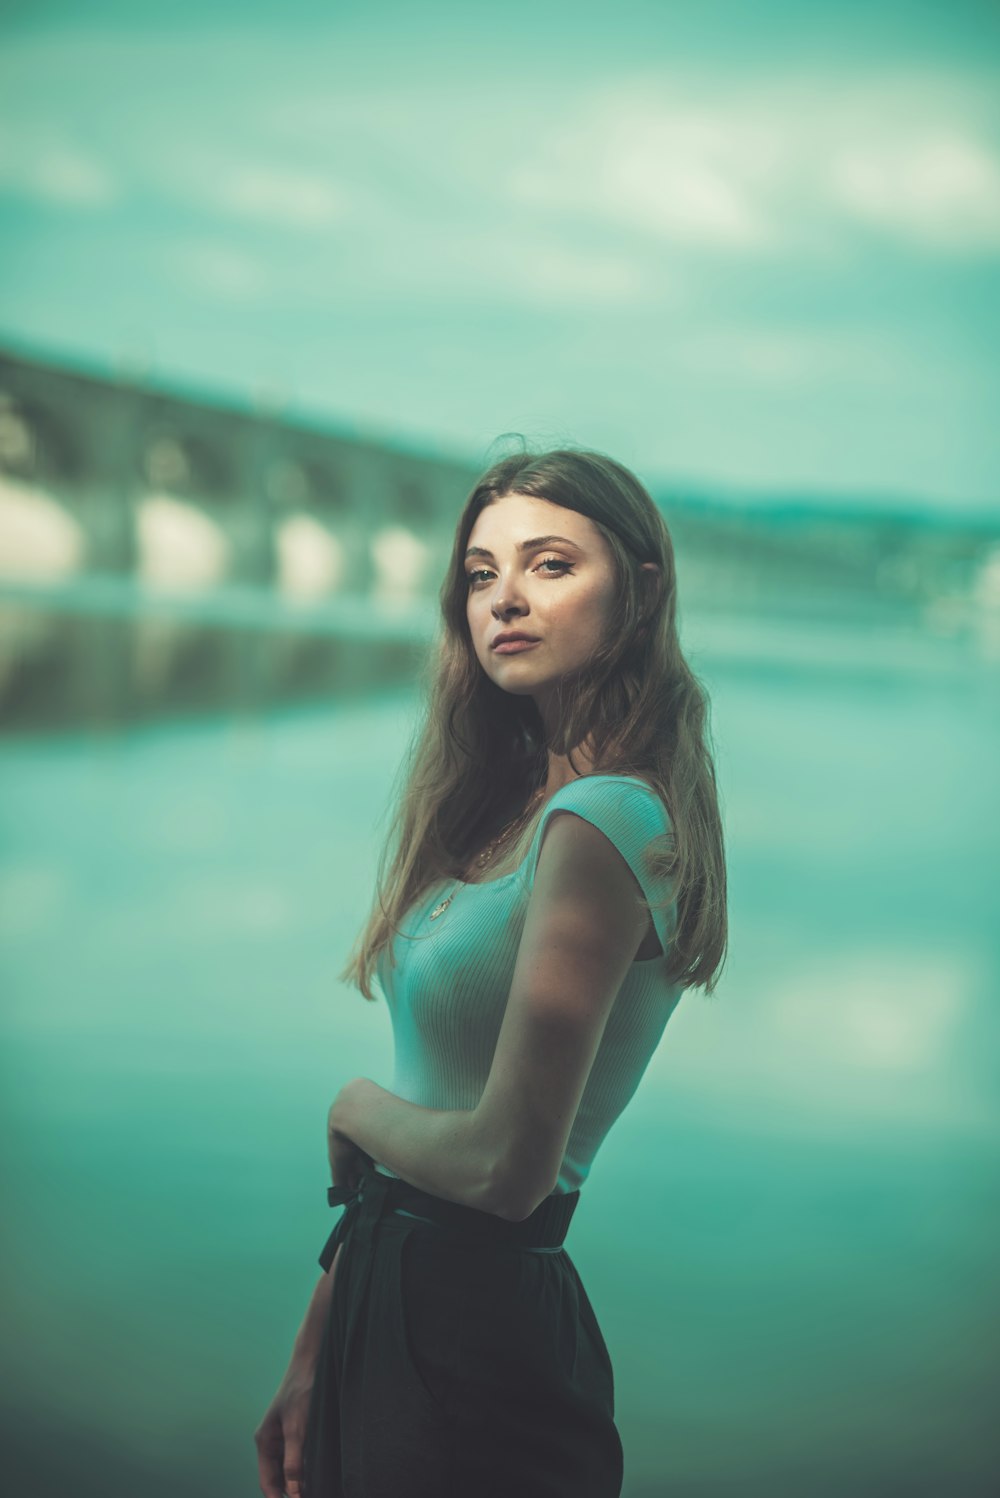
789, 1237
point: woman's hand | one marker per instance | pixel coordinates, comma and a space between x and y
280, 1436
348, 1162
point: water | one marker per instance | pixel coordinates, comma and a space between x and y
789, 1237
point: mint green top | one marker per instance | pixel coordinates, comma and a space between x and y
449, 988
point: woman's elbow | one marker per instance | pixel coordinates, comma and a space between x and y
518, 1211
517, 1192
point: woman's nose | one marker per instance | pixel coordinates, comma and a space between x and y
506, 604
507, 599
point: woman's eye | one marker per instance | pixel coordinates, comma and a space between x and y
483, 574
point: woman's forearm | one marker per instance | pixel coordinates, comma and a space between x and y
310, 1333
442, 1151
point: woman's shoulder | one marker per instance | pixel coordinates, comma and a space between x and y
631, 814
624, 795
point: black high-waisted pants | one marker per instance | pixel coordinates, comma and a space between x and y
461, 1357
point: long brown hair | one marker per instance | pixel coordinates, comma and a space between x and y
479, 753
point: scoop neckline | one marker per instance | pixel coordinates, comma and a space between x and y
502, 878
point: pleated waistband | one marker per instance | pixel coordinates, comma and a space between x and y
378, 1195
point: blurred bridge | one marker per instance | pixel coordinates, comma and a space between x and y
163, 551
158, 548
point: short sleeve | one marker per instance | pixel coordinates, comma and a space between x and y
632, 817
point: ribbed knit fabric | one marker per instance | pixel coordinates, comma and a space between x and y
452, 976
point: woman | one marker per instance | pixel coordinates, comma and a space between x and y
530, 961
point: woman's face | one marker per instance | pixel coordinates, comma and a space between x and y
537, 570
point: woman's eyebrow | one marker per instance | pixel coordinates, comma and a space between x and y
531, 545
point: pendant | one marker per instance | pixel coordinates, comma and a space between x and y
439, 909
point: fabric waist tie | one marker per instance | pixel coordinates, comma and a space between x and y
378, 1195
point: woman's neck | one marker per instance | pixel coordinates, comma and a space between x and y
561, 770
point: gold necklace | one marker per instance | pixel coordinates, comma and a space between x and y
491, 848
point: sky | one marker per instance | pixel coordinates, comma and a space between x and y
747, 248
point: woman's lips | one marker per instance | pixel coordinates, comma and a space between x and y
514, 647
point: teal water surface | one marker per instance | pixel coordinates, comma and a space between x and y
789, 1238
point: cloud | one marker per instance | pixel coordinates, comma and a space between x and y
282, 196
57, 172
942, 188
774, 165
435, 148
685, 175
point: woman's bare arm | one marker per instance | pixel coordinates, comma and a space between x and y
280, 1436
584, 924
309, 1335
